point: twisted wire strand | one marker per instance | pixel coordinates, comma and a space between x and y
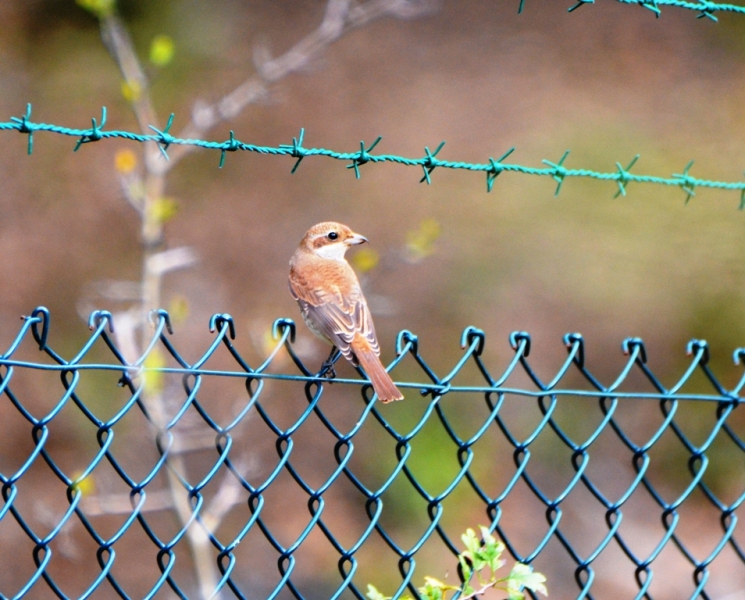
704, 8
428, 163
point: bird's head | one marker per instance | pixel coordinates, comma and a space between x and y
330, 240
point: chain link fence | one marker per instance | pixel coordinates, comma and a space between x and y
219, 477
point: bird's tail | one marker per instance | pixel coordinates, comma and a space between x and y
381, 381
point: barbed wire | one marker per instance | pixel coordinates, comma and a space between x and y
703, 7
428, 163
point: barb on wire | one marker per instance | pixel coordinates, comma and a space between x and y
363, 156
556, 170
296, 149
93, 135
559, 171
623, 178
430, 162
496, 168
687, 183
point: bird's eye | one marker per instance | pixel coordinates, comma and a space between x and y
333, 235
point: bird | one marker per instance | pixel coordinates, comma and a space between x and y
332, 303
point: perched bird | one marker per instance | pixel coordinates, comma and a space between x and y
332, 303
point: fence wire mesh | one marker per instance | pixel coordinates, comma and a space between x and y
216, 476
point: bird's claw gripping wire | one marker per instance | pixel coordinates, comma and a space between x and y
327, 370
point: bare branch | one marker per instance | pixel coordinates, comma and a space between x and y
229, 494
171, 260
340, 17
127, 325
481, 591
116, 38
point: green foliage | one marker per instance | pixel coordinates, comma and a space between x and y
482, 559
100, 8
420, 242
162, 50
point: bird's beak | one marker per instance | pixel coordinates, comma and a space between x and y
356, 239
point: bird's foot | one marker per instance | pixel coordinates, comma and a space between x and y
327, 370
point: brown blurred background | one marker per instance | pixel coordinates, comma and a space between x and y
607, 81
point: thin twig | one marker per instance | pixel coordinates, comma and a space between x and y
340, 17
482, 590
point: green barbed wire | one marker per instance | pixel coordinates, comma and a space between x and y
703, 7
428, 163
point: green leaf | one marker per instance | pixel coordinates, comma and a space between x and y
421, 242
432, 589
492, 551
374, 594
473, 549
464, 567
489, 539
100, 8
515, 594
439, 584
162, 50
523, 576
365, 259
154, 364
431, 581
162, 209
470, 541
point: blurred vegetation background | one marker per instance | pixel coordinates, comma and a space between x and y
607, 81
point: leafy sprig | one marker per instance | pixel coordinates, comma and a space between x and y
482, 559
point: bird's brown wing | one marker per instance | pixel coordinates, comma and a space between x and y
335, 316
